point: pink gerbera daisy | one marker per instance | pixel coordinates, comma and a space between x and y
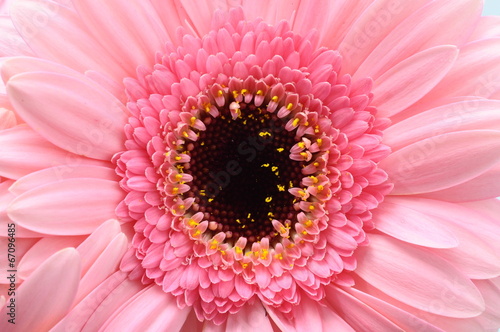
250, 165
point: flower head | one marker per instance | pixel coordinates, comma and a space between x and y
253, 166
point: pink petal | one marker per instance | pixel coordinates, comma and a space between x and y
7, 119
59, 173
141, 33
45, 298
459, 116
11, 43
475, 72
249, 318
356, 313
107, 263
75, 116
68, 207
91, 313
402, 318
477, 254
18, 142
411, 79
371, 27
412, 226
490, 319
42, 250
96, 243
63, 38
418, 32
487, 27
485, 186
417, 277
152, 309
442, 161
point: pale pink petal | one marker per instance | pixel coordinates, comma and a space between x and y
200, 13
91, 313
309, 316
371, 27
96, 243
7, 119
487, 27
104, 265
490, 319
18, 142
473, 256
20, 64
42, 250
418, 32
71, 45
75, 116
311, 15
45, 298
23, 245
171, 22
402, 318
249, 318
417, 277
411, 225
152, 310
11, 43
466, 216
68, 207
271, 12
356, 313
342, 18
59, 173
442, 161
464, 115
411, 79
485, 186
475, 72
136, 24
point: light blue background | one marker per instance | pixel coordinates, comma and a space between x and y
491, 7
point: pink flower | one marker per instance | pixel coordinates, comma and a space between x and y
250, 165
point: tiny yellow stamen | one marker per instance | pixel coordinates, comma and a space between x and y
210, 200
289, 106
296, 122
264, 133
319, 141
301, 145
193, 120
244, 91
178, 177
178, 158
275, 98
264, 165
238, 250
320, 187
280, 149
315, 179
309, 223
220, 93
269, 199
259, 93
270, 214
281, 187
311, 207
274, 168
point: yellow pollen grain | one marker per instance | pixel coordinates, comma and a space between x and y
193, 223
207, 107
319, 141
289, 106
275, 98
270, 214
220, 93
264, 254
315, 179
182, 207
306, 124
309, 223
185, 134
290, 184
278, 256
210, 200
316, 164
235, 93
202, 143
249, 215
311, 207
274, 168
264, 165
178, 177
303, 154
301, 145
196, 233
175, 190
202, 193
244, 265
296, 122
264, 133
238, 221
280, 149
193, 120
244, 91
269, 199
304, 232
238, 250
320, 187
178, 158
259, 93
281, 187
